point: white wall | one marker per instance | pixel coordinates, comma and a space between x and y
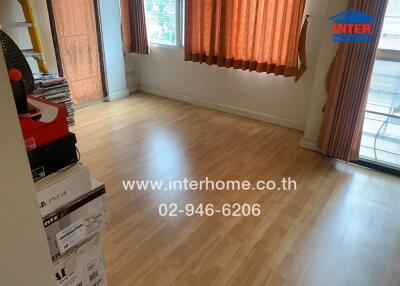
266, 97
131, 74
112, 48
43, 23
318, 93
255, 95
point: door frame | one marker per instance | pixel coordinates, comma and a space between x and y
377, 166
99, 43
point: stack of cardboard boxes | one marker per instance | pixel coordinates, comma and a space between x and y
74, 210
72, 204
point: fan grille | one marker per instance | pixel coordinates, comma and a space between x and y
15, 59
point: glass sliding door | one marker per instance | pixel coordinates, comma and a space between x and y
380, 142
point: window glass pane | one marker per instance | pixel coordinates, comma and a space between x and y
381, 130
161, 21
390, 37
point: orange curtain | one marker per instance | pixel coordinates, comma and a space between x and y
133, 21
347, 86
262, 35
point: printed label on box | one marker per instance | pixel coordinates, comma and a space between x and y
71, 235
83, 266
67, 275
94, 222
93, 275
53, 199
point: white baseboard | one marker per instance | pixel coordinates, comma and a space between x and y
309, 144
117, 95
224, 108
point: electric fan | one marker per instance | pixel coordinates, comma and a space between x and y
16, 60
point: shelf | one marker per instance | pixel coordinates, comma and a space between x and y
15, 25
32, 54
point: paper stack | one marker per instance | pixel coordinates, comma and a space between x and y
54, 88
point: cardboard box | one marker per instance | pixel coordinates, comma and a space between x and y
82, 267
76, 222
62, 188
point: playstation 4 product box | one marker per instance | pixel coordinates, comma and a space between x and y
82, 267
76, 222
62, 188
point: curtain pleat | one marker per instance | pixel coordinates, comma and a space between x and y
134, 33
255, 35
347, 86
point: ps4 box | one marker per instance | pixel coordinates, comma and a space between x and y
62, 188
69, 226
82, 267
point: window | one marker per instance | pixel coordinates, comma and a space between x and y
381, 132
390, 36
164, 20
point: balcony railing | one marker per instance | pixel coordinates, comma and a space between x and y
381, 133
380, 146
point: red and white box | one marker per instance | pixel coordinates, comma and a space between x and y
48, 125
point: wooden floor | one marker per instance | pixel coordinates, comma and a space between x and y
340, 227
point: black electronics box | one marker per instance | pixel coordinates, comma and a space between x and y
53, 157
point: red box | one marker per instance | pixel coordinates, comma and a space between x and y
45, 128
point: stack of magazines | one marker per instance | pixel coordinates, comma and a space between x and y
55, 89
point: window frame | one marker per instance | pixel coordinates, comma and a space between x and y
180, 23
387, 55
